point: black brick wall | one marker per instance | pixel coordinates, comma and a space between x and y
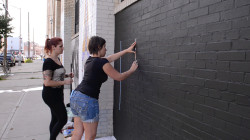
193, 80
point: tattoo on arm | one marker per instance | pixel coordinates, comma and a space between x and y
47, 74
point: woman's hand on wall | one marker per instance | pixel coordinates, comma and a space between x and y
131, 48
134, 66
116, 56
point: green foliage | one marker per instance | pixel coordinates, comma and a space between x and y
28, 61
5, 28
2, 78
34, 78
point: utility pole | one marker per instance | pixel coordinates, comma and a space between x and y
51, 22
28, 36
5, 38
33, 44
53, 18
20, 43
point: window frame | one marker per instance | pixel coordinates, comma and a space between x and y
77, 15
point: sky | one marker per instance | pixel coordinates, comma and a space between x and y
37, 19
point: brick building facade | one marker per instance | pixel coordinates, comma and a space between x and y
193, 80
94, 19
194, 70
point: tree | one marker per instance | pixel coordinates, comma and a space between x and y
5, 28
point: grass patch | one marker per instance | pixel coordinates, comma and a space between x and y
28, 61
34, 78
2, 78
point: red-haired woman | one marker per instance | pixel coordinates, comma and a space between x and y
53, 85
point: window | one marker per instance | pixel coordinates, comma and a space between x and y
76, 16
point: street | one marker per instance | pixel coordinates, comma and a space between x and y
23, 114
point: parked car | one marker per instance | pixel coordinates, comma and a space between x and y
10, 58
17, 58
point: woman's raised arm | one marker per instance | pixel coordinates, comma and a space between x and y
114, 74
116, 56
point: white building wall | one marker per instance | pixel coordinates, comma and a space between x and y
106, 29
87, 22
62, 25
66, 32
13, 43
97, 18
57, 18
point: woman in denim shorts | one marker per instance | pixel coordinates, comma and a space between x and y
84, 99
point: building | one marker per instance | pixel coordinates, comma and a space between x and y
193, 80
39, 50
71, 15
14, 44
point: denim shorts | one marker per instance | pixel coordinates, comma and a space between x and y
85, 107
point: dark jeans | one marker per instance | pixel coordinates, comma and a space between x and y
58, 112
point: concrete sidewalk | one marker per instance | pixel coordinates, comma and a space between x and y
20, 108
23, 114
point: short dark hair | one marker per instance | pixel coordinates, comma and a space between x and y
95, 44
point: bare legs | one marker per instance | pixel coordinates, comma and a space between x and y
90, 130
79, 127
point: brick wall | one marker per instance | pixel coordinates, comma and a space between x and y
71, 42
193, 80
99, 20
91, 5
58, 18
105, 27
67, 32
